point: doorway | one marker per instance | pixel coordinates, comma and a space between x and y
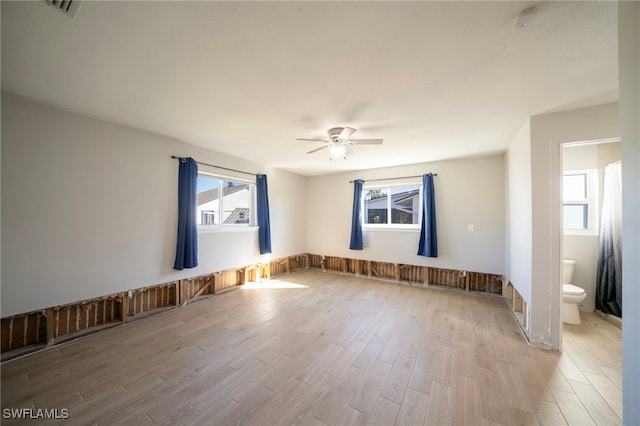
584, 166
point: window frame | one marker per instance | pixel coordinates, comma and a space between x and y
230, 227
391, 226
590, 201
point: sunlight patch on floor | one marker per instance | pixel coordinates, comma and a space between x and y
272, 284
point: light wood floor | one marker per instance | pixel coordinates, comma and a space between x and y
326, 349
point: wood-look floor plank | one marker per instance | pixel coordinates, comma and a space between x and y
217, 409
467, 405
258, 399
366, 397
535, 378
370, 353
413, 342
301, 411
570, 369
572, 409
384, 413
330, 409
445, 368
515, 416
352, 417
318, 364
608, 390
495, 397
413, 410
163, 412
614, 375
442, 401
582, 360
423, 371
557, 380
245, 389
485, 356
281, 405
502, 347
518, 391
392, 348
396, 384
600, 411
142, 419
548, 413
489, 422
342, 362
466, 359
294, 368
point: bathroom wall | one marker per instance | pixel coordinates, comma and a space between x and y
584, 248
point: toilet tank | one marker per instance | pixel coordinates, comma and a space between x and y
567, 270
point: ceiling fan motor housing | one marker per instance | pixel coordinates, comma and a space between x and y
334, 133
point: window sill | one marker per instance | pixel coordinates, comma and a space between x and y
222, 229
579, 233
388, 228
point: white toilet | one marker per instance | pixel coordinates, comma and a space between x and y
572, 295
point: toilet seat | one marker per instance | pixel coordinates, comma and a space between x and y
572, 290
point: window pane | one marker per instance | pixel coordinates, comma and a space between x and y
574, 187
574, 216
223, 202
236, 203
375, 205
208, 201
376, 216
405, 205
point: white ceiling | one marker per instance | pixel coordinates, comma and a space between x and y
436, 80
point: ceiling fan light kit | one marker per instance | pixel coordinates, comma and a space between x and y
339, 141
338, 150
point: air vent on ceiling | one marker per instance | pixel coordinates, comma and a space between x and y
68, 7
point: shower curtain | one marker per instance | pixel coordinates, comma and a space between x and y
609, 279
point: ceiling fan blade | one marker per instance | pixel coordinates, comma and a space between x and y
312, 140
365, 141
346, 133
317, 149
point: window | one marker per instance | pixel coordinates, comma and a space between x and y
224, 202
579, 208
395, 206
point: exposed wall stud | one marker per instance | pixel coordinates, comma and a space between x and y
124, 307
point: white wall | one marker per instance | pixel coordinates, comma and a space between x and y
579, 157
89, 209
548, 132
629, 71
468, 191
519, 211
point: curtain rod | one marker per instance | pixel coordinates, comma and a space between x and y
401, 177
218, 167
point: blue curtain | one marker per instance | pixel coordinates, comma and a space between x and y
356, 223
428, 235
264, 224
187, 246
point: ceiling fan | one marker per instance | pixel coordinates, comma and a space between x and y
339, 141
